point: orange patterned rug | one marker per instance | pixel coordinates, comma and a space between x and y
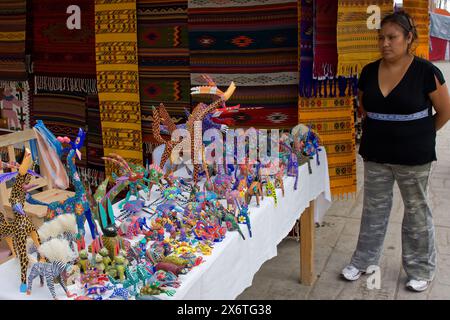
333, 120
357, 44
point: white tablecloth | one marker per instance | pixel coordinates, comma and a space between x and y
234, 261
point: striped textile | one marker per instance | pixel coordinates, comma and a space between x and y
118, 78
63, 59
333, 120
357, 44
163, 60
12, 40
418, 9
254, 44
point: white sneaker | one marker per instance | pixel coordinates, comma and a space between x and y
417, 285
351, 273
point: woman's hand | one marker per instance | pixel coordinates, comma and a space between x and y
441, 103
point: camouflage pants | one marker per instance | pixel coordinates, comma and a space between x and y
418, 245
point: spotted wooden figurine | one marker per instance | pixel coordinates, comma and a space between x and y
17, 231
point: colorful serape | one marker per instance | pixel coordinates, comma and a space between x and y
418, 9
333, 119
63, 59
164, 75
357, 44
325, 46
12, 40
254, 44
94, 142
118, 78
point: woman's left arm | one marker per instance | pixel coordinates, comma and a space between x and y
441, 103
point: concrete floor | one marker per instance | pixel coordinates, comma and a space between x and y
336, 240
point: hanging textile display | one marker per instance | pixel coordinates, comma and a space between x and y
327, 103
418, 9
254, 44
163, 59
63, 58
318, 52
12, 43
357, 44
333, 120
15, 108
325, 48
306, 53
118, 78
64, 68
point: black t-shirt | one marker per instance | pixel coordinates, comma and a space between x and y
399, 142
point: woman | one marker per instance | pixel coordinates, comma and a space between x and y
397, 94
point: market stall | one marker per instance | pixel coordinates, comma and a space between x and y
234, 261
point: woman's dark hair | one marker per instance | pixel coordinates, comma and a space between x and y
404, 20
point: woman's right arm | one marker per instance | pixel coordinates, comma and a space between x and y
441, 103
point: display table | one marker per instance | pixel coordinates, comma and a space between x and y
234, 261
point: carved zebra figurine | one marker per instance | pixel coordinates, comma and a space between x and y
51, 271
60, 257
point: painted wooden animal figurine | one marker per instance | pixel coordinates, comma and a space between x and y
161, 115
58, 252
243, 217
271, 192
292, 169
254, 189
198, 114
16, 232
135, 177
78, 204
279, 179
231, 197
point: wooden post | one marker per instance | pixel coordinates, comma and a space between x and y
307, 274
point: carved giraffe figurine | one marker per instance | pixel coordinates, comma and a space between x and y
17, 231
161, 115
197, 115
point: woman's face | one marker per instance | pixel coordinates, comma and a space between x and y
392, 42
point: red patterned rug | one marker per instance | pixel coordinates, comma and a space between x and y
254, 44
63, 59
